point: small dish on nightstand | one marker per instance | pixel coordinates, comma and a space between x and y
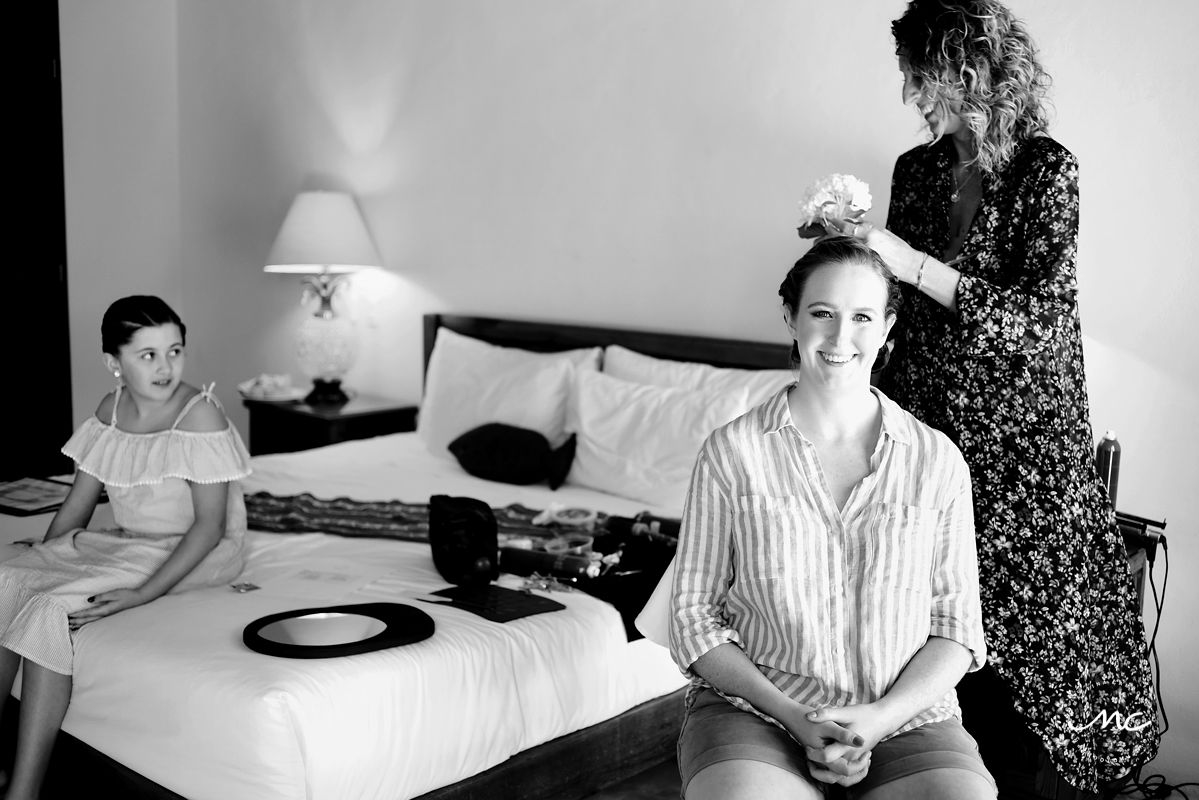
271, 389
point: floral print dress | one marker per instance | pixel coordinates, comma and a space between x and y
1003, 377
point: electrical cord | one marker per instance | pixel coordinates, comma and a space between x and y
1154, 787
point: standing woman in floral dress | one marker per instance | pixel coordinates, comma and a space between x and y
983, 232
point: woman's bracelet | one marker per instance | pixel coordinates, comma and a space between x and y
920, 272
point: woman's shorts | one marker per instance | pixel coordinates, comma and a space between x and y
714, 730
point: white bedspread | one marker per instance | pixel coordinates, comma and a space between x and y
169, 689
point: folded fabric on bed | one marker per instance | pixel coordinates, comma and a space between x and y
380, 519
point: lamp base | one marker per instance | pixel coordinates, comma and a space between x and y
326, 393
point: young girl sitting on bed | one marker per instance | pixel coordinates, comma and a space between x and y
171, 463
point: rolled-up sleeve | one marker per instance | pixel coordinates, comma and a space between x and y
956, 610
703, 567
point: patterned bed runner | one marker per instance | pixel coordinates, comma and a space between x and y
389, 519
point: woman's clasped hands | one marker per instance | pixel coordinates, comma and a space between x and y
837, 742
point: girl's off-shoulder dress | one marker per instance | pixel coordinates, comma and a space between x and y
147, 478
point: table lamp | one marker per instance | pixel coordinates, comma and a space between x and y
324, 237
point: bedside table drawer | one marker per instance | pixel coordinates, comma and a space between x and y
287, 427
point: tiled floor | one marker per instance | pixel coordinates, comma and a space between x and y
657, 783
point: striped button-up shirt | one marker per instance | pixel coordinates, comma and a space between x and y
829, 603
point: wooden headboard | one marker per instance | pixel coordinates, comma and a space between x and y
549, 337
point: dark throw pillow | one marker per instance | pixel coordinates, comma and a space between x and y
508, 454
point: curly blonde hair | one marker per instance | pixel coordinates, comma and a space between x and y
976, 51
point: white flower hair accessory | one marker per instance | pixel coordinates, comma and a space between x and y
833, 199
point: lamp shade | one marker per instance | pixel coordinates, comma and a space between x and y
323, 232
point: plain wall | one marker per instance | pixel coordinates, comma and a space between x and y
633, 164
120, 93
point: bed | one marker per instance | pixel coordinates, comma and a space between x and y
552, 705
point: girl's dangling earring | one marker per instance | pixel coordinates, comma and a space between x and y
116, 373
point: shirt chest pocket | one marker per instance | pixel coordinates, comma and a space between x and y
772, 538
899, 546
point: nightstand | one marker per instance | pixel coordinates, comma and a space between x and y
286, 427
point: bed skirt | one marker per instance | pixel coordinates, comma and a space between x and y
567, 768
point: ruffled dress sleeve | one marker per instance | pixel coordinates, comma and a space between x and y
119, 458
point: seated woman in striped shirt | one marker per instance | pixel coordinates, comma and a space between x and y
825, 598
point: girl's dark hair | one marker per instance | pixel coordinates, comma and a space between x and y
978, 51
130, 314
837, 250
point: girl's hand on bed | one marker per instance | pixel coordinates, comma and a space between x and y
105, 604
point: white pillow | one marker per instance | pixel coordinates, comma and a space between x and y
760, 384
470, 383
640, 441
